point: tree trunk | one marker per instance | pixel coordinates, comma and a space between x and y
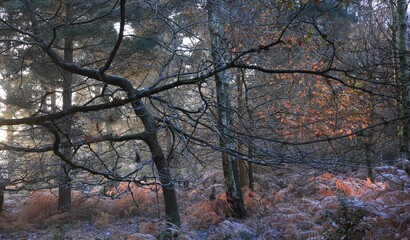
7, 113
64, 188
403, 76
369, 165
2, 187
367, 145
11, 164
243, 173
151, 129
245, 168
1, 200
225, 114
250, 168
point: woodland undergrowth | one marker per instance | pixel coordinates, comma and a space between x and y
286, 203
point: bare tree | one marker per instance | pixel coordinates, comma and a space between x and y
220, 49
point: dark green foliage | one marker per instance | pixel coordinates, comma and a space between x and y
12, 6
139, 45
332, 8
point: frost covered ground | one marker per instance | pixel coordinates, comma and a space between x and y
286, 204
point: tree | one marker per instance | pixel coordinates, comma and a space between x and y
2, 187
64, 189
219, 49
62, 138
401, 45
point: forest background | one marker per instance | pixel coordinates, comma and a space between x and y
248, 111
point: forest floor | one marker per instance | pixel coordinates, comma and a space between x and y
287, 203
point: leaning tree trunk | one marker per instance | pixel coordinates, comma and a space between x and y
151, 139
225, 114
64, 188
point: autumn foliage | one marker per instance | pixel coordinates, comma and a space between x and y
301, 206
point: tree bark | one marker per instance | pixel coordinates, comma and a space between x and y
64, 189
2, 187
403, 76
250, 168
151, 130
241, 110
245, 168
8, 113
367, 143
222, 79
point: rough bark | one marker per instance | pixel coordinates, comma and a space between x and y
151, 139
403, 76
245, 168
241, 110
64, 189
222, 79
394, 30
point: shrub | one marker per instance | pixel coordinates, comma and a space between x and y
347, 221
101, 219
208, 212
40, 206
